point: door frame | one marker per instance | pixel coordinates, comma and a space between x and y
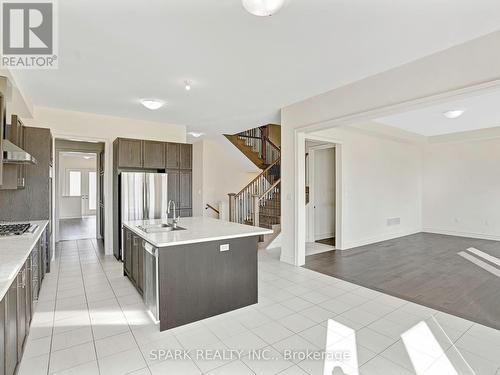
300, 186
312, 218
88, 145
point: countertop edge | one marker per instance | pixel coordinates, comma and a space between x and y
42, 224
143, 235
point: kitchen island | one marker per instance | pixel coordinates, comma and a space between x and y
203, 268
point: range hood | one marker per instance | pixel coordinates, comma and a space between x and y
14, 155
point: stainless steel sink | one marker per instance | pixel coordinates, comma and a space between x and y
157, 228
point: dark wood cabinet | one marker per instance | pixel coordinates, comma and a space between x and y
133, 259
127, 251
10, 339
175, 159
129, 153
21, 311
140, 266
153, 155
185, 189
186, 156
172, 155
16, 311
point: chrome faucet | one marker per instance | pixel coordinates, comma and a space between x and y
175, 218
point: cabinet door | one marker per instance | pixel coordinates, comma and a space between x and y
21, 311
153, 155
127, 252
173, 185
11, 329
172, 155
186, 212
185, 189
135, 260
29, 294
130, 153
186, 156
2, 336
140, 267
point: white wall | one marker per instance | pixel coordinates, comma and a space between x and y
381, 179
461, 188
445, 73
89, 126
71, 207
221, 174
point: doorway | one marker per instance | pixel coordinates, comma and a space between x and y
79, 196
320, 196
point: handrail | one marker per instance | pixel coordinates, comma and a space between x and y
259, 175
212, 208
270, 189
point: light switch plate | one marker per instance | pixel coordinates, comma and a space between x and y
224, 247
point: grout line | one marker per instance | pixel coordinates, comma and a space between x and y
121, 308
87, 303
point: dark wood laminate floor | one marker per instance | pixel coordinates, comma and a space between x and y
423, 268
327, 241
77, 229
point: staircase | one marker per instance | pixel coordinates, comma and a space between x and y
258, 203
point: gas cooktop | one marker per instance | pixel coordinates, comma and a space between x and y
16, 229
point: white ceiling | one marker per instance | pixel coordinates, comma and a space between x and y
243, 68
481, 112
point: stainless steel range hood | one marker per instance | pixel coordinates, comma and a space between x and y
14, 155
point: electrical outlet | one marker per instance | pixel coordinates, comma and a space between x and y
224, 247
393, 221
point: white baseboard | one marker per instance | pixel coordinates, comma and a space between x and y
481, 236
70, 217
380, 238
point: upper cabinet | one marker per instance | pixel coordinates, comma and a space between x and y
129, 153
186, 156
153, 155
172, 155
137, 153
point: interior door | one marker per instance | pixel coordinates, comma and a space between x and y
324, 193
89, 192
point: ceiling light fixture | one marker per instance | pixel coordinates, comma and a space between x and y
195, 134
187, 85
152, 104
453, 114
263, 8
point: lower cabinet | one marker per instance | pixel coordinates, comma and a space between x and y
16, 310
133, 262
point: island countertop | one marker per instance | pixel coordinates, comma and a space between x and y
197, 229
13, 254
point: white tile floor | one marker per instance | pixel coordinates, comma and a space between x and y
90, 320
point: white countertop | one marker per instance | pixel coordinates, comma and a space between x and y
198, 229
13, 253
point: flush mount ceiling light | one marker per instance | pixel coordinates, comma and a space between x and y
263, 8
152, 104
455, 113
187, 85
195, 134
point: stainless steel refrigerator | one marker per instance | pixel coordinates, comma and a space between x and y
142, 196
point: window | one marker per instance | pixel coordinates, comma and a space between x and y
74, 183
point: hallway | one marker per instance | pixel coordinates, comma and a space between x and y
77, 229
90, 320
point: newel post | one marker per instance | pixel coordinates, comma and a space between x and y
256, 209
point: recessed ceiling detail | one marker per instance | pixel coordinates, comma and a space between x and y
481, 112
